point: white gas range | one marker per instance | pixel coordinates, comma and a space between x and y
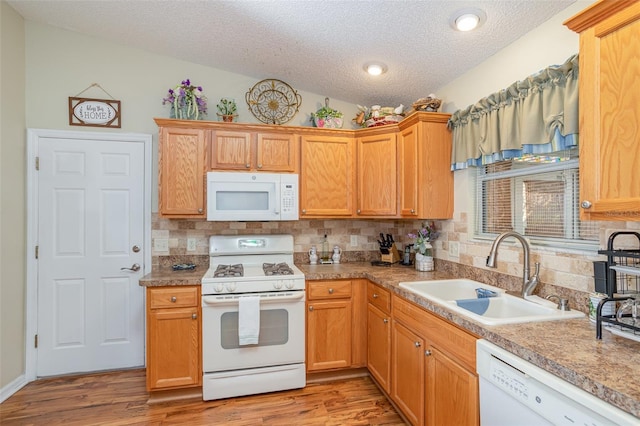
253, 317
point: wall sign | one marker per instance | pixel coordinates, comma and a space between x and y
94, 112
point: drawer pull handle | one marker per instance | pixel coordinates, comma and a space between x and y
173, 299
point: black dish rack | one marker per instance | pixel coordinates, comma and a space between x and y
621, 283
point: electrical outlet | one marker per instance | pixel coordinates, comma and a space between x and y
454, 249
191, 244
354, 241
161, 244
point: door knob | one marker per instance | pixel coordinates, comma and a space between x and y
135, 249
134, 268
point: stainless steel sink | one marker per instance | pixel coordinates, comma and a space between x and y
460, 295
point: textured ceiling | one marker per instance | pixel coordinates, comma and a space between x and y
316, 46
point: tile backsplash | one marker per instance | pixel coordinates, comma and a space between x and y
571, 270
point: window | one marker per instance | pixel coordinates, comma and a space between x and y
537, 196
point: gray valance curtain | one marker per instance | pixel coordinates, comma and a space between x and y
534, 116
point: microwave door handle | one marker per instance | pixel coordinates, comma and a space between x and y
212, 300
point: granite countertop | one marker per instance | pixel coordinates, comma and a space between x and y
606, 368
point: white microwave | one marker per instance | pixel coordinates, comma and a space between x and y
242, 196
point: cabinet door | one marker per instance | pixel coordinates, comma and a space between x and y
379, 346
182, 172
609, 114
326, 176
230, 150
452, 392
276, 152
377, 176
328, 335
173, 349
409, 173
407, 379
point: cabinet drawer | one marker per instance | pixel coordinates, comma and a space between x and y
379, 297
172, 297
328, 290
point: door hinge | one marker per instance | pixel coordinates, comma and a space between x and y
37, 163
35, 343
37, 251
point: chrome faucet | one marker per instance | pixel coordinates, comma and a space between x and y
528, 283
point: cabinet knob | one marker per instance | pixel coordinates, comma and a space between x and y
173, 299
330, 291
248, 166
358, 211
418, 344
304, 211
310, 308
413, 211
585, 204
375, 295
194, 316
385, 320
427, 353
200, 210
259, 166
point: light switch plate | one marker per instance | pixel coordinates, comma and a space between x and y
161, 244
454, 249
354, 241
191, 244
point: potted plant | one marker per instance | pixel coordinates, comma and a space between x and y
327, 117
187, 101
227, 109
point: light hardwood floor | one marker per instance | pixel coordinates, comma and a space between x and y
120, 398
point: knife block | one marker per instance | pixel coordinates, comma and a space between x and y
393, 256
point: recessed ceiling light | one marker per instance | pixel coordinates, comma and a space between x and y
467, 19
467, 22
375, 68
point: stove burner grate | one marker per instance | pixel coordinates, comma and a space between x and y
236, 270
277, 269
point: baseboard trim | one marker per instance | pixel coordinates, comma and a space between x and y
12, 387
327, 376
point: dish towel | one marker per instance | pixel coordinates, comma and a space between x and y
477, 306
248, 320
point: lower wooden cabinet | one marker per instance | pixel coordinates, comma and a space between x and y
379, 335
433, 368
328, 325
452, 392
408, 373
173, 337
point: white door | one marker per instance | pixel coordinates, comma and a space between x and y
90, 229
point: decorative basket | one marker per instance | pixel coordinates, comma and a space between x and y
328, 123
424, 263
383, 121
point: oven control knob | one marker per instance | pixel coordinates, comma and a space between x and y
219, 287
277, 285
289, 285
231, 287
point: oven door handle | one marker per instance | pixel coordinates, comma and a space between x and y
212, 300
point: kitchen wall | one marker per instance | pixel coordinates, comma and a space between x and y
551, 43
12, 195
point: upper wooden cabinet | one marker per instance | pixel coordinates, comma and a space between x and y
424, 163
181, 172
327, 176
609, 90
257, 151
377, 175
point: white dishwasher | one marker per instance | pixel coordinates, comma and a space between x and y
514, 392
